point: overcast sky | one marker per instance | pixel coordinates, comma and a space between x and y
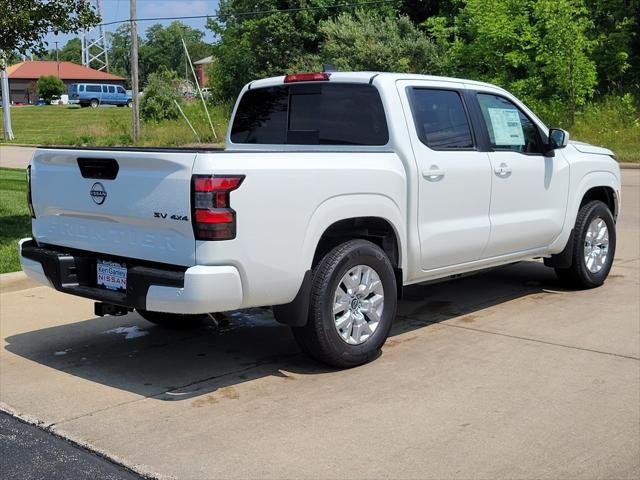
119, 10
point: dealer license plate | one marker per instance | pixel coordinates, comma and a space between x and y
111, 275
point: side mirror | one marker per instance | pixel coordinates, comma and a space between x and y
558, 138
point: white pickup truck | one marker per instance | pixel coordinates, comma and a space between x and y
334, 191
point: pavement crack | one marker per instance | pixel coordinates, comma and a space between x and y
226, 374
164, 392
518, 337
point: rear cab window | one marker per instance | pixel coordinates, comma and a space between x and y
93, 88
311, 114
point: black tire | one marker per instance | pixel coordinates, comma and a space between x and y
130, 103
578, 275
94, 103
173, 321
319, 338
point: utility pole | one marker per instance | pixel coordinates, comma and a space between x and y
57, 59
6, 101
134, 73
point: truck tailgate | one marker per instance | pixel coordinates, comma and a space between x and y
133, 204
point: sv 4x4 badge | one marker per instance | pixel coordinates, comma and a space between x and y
183, 218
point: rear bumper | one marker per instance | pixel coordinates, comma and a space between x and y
198, 289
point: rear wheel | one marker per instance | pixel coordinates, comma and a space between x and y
94, 103
173, 320
593, 248
352, 306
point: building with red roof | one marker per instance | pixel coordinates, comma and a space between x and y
22, 74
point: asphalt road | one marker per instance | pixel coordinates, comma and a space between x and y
29, 453
502, 375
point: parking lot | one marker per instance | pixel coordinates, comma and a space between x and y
499, 375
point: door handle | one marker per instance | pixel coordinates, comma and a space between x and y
503, 170
433, 174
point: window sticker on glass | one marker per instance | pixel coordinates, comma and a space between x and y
507, 129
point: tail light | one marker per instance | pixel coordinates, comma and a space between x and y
307, 77
29, 201
212, 215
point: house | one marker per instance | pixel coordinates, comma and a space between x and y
201, 67
23, 75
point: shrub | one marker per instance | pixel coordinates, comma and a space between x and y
49, 87
158, 99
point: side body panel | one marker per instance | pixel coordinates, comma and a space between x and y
454, 190
587, 171
285, 204
529, 193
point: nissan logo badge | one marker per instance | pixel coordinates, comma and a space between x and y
98, 193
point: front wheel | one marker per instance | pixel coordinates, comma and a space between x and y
593, 249
352, 306
129, 103
174, 321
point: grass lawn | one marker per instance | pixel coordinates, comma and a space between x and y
15, 221
110, 126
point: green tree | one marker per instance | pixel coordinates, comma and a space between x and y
616, 32
120, 54
163, 48
49, 86
538, 49
562, 54
70, 52
25, 23
369, 40
266, 44
158, 100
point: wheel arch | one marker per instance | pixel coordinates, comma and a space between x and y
598, 185
606, 194
373, 217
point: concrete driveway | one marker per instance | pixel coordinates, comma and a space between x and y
13, 156
500, 375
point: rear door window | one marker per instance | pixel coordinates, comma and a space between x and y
441, 119
311, 114
112, 89
104, 89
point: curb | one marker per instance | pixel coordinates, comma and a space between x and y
16, 281
52, 429
629, 165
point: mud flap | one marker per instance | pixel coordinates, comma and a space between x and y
296, 312
564, 258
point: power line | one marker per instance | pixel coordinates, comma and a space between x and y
255, 12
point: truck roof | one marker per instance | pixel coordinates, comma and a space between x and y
367, 77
